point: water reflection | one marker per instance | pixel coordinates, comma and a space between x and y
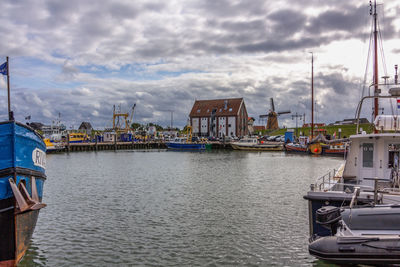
181, 209
34, 256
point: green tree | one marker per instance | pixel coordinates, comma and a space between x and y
136, 126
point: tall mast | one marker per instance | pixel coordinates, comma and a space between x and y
312, 95
375, 80
10, 115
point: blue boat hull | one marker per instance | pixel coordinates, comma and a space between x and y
186, 146
22, 176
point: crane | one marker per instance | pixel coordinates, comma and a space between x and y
131, 117
116, 122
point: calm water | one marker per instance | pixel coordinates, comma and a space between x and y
162, 208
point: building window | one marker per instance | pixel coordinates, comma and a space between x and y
198, 111
230, 109
220, 110
229, 125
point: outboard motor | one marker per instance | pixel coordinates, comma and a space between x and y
329, 217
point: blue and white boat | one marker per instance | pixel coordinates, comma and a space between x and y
22, 175
181, 143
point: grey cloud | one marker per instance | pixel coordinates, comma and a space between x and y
351, 20
287, 22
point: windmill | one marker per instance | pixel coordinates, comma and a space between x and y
272, 116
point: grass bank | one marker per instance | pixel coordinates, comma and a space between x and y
346, 130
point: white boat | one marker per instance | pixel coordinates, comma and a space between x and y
371, 164
252, 143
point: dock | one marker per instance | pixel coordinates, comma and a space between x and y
76, 147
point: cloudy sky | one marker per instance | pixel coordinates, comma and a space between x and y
79, 58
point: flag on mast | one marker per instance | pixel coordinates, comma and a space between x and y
398, 103
3, 68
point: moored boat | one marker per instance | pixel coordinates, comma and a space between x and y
181, 143
371, 169
253, 144
359, 235
53, 146
335, 149
299, 147
22, 175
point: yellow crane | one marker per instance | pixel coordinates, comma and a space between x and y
117, 127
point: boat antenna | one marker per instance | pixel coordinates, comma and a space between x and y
312, 95
375, 80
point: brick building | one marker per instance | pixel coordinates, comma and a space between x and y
219, 117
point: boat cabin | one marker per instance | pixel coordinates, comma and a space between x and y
248, 140
180, 140
372, 156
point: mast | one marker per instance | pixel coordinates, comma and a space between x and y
375, 80
10, 114
312, 95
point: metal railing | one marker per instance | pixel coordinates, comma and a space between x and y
326, 179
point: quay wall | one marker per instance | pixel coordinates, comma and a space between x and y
76, 147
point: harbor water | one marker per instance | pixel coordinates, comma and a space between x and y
163, 208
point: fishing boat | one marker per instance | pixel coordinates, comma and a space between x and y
53, 146
22, 175
338, 149
181, 143
299, 147
253, 144
185, 143
372, 162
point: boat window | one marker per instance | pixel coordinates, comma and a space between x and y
368, 155
394, 150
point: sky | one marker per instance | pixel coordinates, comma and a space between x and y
79, 58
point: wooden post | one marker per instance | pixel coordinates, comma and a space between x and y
68, 147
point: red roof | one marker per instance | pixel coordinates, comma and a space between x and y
203, 108
258, 127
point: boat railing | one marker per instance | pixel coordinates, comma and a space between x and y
337, 184
394, 94
325, 181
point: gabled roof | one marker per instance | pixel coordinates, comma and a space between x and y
85, 125
203, 108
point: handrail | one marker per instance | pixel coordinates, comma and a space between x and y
359, 106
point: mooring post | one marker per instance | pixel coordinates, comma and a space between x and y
68, 147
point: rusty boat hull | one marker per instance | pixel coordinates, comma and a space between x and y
22, 176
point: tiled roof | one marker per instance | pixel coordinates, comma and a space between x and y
258, 127
203, 108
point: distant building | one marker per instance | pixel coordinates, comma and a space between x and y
219, 117
350, 121
109, 136
86, 127
258, 128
